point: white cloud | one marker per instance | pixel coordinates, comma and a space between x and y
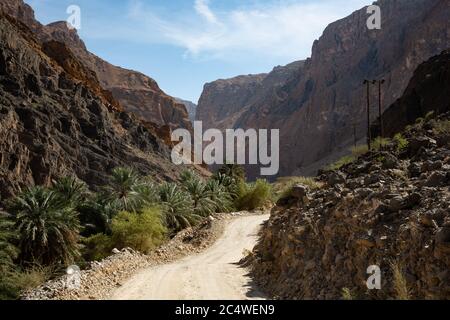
202, 8
271, 28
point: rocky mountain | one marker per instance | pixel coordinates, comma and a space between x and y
190, 107
57, 120
388, 208
224, 101
135, 91
324, 99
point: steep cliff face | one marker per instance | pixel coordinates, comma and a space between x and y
57, 120
224, 101
316, 107
135, 91
191, 108
221, 100
427, 92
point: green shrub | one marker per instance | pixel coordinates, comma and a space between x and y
254, 195
97, 247
400, 142
379, 143
8, 252
429, 116
140, 231
347, 294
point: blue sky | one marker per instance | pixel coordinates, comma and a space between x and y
183, 44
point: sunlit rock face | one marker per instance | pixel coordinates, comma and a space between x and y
318, 103
136, 92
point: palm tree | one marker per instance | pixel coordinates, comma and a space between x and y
200, 195
47, 227
178, 207
70, 190
234, 171
96, 215
228, 183
219, 195
129, 190
187, 175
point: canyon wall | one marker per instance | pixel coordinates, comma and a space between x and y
317, 106
135, 91
57, 120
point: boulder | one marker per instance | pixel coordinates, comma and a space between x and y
299, 191
336, 177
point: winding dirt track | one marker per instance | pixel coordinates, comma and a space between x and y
211, 275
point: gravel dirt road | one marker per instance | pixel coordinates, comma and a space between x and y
212, 275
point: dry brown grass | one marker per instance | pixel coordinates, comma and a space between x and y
283, 186
400, 284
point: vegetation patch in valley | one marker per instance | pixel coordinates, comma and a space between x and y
46, 229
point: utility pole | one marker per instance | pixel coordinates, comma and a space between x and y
369, 139
380, 83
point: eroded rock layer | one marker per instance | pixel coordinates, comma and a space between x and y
56, 119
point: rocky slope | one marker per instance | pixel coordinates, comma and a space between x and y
135, 91
56, 119
325, 96
390, 209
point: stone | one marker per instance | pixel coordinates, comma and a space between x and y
443, 235
413, 200
372, 179
299, 191
396, 204
336, 177
431, 166
390, 161
417, 143
363, 192
414, 169
436, 179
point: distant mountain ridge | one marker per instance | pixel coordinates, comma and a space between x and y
317, 106
190, 107
137, 92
